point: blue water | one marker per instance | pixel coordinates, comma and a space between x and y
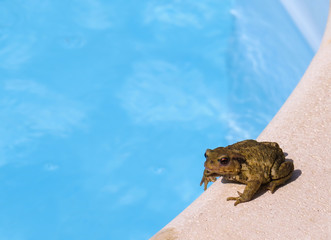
106, 107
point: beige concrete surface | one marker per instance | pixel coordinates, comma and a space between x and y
300, 209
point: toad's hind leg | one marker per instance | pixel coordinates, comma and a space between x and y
280, 173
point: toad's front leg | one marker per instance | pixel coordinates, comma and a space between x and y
208, 177
250, 189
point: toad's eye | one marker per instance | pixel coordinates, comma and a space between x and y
224, 161
205, 155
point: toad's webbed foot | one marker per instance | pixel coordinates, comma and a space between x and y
236, 199
250, 190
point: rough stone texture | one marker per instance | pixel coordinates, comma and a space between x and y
300, 209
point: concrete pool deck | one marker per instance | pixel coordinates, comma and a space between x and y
300, 209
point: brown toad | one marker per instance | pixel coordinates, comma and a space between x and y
250, 162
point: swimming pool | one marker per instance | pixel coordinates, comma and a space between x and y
107, 108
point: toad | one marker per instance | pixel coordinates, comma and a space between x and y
250, 162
